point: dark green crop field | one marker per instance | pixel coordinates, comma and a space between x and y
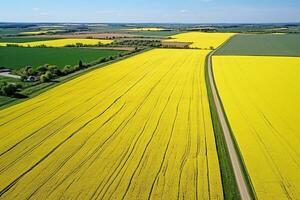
259, 45
9, 31
24, 39
19, 57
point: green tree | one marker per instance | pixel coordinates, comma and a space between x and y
28, 71
9, 89
42, 69
49, 75
80, 64
67, 69
55, 71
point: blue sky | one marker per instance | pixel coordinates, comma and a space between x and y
165, 11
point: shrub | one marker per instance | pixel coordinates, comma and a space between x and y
46, 77
79, 44
43, 78
24, 78
70, 45
55, 71
49, 75
42, 69
67, 69
81, 65
27, 71
9, 89
12, 45
76, 68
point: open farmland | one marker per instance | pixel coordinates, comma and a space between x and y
137, 129
261, 99
24, 39
201, 40
9, 31
146, 29
18, 57
60, 42
40, 32
155, 33
262, 44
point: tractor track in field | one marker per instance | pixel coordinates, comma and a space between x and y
9, 186
51, 135
143, 129
112, 136
134, 144
63, 114
233, 153
117, 141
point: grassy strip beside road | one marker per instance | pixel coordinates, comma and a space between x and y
229, 184
247, 191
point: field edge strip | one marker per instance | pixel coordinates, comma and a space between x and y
220, 140
229, 185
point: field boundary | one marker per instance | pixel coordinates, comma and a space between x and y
253, 55
283, 45
230, 189
65, 79
229, 180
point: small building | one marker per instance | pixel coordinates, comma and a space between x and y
33, 78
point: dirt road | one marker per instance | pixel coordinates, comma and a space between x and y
237, 168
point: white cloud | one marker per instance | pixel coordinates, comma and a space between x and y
44, 13
183, 11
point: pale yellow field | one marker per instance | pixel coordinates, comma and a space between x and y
61, 42
146, 29
137, 129
202, 40
40, 32
261, 99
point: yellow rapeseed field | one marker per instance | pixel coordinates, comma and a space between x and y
262, 102
61, 42
201, 40
137, 129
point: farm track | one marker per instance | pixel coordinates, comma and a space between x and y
138, 129
233, 153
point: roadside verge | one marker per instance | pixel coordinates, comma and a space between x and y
235, 179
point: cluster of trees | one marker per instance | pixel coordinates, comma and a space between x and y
17, 45
68, 69
45, 72
138, 43
99, 44
9, 89
186, 47
48, 72
134, 43
69, 45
